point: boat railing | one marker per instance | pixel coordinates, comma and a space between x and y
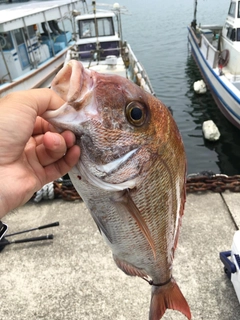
8, 74
214, 28
136, 70
210, 53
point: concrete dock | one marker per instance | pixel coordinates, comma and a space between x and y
73, 276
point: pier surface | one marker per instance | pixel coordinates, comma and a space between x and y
73, 276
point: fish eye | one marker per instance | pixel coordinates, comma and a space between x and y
135, 113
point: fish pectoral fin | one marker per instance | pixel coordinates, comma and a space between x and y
128, 203
102, 228
166, 297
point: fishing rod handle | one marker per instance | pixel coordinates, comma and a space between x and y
48, 237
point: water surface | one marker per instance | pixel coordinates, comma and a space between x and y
157, 32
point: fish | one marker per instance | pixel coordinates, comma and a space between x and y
131, 174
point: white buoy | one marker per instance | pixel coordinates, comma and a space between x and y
210, 131
200, 87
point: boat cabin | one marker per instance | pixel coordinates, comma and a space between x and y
231, 37
31, 34
231, 29
97, 38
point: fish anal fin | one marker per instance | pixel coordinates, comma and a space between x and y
166, 297
129, 269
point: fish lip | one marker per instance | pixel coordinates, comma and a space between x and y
67, 117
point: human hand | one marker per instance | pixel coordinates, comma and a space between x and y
31, 153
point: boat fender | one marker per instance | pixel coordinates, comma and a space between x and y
223, 58
135, 69
200, 87
210, 131
138, 79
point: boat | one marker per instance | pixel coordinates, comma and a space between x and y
34, 39
216, 50
100, 46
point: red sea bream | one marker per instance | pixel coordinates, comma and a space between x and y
131, 174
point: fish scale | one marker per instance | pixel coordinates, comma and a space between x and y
131, 174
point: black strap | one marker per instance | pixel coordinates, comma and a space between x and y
158, 284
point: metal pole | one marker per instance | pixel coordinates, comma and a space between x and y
5, 62
194, 22
195, 11
63, 24
96, 30
49, 36
34, 63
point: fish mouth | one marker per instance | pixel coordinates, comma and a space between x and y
66, 118
75, 85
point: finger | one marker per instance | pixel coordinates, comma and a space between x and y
38, 139
42, 126
69, 138
53, 148
63, 165
49, 139
35, 101
45, 99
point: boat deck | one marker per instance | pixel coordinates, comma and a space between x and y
74, 277
103, 67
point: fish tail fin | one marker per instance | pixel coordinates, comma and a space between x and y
166, 297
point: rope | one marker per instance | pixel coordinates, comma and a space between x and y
197, 182
46, 193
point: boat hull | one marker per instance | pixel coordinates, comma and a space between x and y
38, 78
225, 94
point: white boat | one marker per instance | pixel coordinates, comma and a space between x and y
216, 50
33, 42
100, 47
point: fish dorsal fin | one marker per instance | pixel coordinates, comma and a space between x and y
126, 200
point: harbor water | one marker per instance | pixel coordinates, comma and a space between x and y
157, 32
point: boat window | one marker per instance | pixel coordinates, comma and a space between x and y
87, 27
108, 48
231, 34
18, 36
238, 34
6, 41
31, 31
232, 9
105, 27
238, 9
